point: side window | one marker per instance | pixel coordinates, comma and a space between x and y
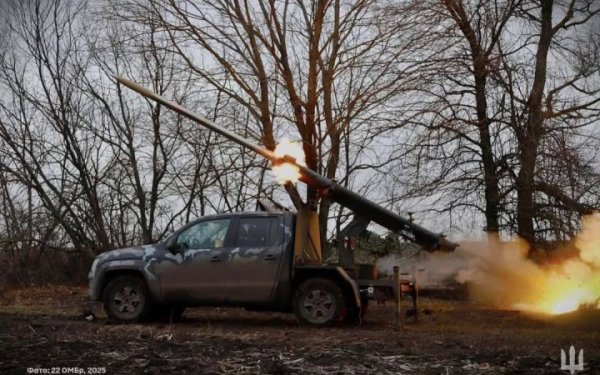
257, 231
205, 235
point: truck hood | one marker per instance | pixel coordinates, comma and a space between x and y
127, 253
133, 252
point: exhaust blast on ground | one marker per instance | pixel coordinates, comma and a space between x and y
499, 274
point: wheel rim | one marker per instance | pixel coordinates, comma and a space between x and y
127, 301
318, 305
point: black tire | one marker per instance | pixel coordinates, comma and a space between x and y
319, 302
126, 299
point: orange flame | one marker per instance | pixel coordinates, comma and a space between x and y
504, 276
286, 172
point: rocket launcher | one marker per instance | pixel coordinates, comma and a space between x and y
361, 206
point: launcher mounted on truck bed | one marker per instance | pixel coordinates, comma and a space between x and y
269, 261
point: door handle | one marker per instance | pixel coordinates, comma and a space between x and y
270, 257
216, 258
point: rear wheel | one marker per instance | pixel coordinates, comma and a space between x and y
126, 299
319, 302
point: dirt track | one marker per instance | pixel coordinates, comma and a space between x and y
452, 338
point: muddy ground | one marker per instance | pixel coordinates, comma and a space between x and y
43, 330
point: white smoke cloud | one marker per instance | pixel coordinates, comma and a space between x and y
500, 274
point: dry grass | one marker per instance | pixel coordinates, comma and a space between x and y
60, 300
456, 335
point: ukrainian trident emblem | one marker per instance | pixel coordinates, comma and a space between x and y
573, 365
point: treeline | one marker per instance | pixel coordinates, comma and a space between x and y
479, 114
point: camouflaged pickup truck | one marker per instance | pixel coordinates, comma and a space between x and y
244, 260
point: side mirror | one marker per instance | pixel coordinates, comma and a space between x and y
171, 245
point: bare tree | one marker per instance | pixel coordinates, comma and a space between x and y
316, 69
145, 140
550, 108
453, 149
482, 25
472, 144
44, 130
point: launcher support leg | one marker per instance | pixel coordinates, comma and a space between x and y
398, 298
416, 300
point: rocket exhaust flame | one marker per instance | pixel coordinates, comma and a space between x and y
286, 171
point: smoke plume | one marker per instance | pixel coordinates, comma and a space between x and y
500, 274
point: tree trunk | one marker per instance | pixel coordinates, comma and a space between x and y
491, 192
525, 190
529, 137
479, 59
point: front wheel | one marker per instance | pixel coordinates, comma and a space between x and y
319, 302
126, 299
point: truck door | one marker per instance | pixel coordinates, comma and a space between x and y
194, 273
252, 267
